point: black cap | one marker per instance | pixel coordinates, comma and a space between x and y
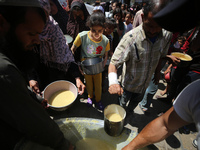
179, 15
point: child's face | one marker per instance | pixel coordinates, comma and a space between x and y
180, 42
96, 32
128, 18
117, 16
109, 30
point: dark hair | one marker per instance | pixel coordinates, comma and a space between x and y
110, 22
128, 12
181, 38
117, 4
116, 11
96, 19
16, 14
154, 6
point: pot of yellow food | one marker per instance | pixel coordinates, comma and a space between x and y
60, 94
114, 116
185, 59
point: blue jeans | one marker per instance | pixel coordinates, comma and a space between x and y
130, 100
148, 96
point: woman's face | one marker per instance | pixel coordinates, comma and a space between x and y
96, 32
117, 16
54, 9
78, 14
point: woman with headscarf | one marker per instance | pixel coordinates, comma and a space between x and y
59, 15
56, 59
77, 18
77, 22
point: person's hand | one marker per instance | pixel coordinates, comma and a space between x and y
168, 70
174, 60
115, 89
35, 86
44, 104
80, 86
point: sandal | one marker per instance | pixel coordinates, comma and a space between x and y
143, 109
99, 105
194, 143
89, 102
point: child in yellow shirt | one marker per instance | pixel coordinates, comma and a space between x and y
93, 44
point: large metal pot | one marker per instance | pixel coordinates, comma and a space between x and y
92, 66
75, 129
58, 86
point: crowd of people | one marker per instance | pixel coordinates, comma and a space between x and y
35, 52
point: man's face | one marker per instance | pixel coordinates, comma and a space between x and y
114, 6
150, 27
27, 33
20, 40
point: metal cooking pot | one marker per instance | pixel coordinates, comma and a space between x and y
92, 66
114, 128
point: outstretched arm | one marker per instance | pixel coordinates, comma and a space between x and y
114, 87
157, 130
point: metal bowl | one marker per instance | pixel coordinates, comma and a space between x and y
57, 86
92, 66
185, 59
68, 38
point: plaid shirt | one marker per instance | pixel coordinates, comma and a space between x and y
140, 57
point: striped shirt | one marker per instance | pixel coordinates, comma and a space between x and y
140, 57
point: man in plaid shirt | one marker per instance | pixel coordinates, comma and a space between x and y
140, 50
